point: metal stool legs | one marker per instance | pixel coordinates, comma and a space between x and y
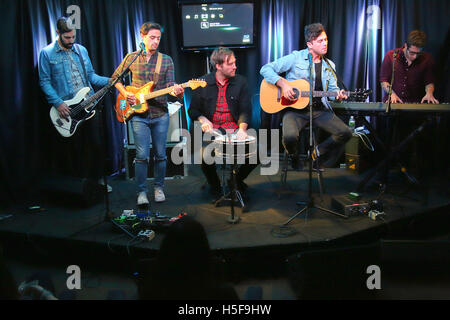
231, 196
285, 169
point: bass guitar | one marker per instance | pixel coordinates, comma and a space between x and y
124, 111
81, 109
272, 100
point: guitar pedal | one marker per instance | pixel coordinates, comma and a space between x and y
148, 234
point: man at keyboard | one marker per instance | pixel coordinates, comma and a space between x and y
413, 72
413, 83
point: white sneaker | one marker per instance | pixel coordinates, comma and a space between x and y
159, 195
142, 198
102, 183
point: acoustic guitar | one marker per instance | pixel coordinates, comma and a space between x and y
272, 101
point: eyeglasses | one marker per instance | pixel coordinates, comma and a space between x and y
413, 52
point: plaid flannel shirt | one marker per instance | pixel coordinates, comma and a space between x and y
222, 116
143, 72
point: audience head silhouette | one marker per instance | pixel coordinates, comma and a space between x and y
183, 266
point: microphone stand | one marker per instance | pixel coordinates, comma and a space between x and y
109, 214
309, 204
392, 130
389, 129
106, 89
394, 57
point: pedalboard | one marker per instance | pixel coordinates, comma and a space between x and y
139, 223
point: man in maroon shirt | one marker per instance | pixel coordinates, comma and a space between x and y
413, 77
413, 72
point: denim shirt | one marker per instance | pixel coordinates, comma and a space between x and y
296, 66
55, 78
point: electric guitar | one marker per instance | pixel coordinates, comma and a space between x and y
81, 109
124, 111
272, 100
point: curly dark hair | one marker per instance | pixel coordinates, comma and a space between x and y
312, 31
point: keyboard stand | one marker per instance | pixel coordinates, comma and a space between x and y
391, 155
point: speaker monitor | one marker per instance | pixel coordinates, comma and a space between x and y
68, 190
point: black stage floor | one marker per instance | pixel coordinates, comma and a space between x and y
67, 229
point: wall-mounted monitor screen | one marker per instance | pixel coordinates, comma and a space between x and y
209, 25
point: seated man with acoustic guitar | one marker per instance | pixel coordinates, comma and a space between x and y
297, 66
154, 66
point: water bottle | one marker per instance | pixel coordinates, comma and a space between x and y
351, 123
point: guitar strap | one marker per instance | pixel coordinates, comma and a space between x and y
82, 64
157, 68
335, 74
337, 80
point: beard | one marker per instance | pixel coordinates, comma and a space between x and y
67, 45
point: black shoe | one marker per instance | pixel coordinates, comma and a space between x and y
215, 193
296, 163
316, 165
241, 186
244, 195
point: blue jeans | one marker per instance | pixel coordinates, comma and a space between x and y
143, 129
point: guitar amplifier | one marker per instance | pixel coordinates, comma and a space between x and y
357, 157
173, 171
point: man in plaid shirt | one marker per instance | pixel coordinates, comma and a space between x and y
223, 103
155, 122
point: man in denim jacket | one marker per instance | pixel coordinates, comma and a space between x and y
61, 76
296, 66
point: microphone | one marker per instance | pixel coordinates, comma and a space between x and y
142, 46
